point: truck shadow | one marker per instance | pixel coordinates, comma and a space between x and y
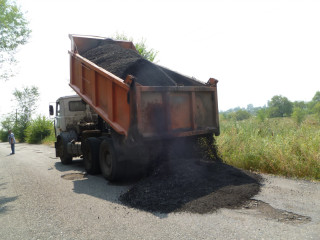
182, 185
4, 201
93, 185
77, 165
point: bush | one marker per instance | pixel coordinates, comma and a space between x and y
279, 106
6, 124
19, 130
38, 129
242, 115
49, 140
299, 115
3, 135
262, 115
316, 110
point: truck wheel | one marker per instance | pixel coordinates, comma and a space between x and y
109, 164
64, 156
91, 155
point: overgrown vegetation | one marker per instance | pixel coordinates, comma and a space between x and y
277, 146
38, 130
25, 128
288, 144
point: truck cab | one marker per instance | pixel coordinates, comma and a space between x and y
71, 111
73, 117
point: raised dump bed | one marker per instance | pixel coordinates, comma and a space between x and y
137, 98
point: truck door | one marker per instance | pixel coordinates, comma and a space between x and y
58, 119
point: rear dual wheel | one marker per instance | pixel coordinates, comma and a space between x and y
110, 166
91, 155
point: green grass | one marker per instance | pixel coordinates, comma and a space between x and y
278, 146
49, 140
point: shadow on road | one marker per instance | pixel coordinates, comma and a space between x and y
77, 165
4, 201
93, 185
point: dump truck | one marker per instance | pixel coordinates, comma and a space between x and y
127, 110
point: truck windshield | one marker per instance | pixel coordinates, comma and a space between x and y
77, 106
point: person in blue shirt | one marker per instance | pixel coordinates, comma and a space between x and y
12, 141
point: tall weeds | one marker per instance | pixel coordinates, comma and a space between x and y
277, 146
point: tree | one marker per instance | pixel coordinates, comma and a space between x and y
262, 114
6, 124
316, 110
279, 106
300, 104
14, 32
149, 54
299, 114
241, 115
310, 105
250, 108
316, 97
26, 104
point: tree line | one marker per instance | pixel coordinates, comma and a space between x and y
21, 121
278, 106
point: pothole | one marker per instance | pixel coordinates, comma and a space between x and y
74, 176
270, 212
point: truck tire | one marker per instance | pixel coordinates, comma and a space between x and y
65, 157
91, 155
109, 164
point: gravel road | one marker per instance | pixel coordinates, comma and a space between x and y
42, 199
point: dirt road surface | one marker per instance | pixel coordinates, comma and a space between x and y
42, 199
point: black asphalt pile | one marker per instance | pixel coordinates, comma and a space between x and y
122, 62
192, 185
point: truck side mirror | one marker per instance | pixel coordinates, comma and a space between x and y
51, 111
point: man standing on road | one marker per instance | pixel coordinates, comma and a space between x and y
12, 141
